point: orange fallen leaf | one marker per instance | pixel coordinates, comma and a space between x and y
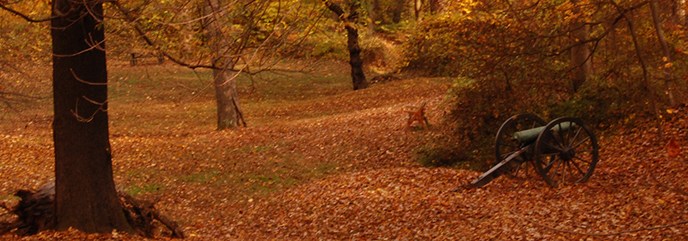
673, 149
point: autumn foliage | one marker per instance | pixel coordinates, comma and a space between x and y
521, 57
319, 161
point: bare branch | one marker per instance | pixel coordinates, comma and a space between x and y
84, 81
24, 16
79, 118
131, 20
94, 46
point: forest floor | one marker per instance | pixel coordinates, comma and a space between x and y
319, 161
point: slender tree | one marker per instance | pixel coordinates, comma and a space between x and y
85, 195
434, 6
667, 55
680, 11
228, 112
350, 18
231, 38
580, 52
397, 10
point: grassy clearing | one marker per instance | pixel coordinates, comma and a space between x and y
175, 98
302, 128
150, 105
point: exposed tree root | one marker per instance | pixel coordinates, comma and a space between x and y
35, 212
143, 216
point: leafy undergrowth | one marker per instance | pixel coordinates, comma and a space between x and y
337, 164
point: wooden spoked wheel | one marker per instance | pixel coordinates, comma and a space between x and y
566, 152
506, 144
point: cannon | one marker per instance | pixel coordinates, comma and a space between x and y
563, 151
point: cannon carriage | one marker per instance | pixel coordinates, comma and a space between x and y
563, 151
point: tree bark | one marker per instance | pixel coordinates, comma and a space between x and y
417, 8
398, 10
228, 112
646, 79
377, 14
85, 195
580, 54
357, 76
434, 6
681, 11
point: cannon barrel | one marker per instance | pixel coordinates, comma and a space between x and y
529, 135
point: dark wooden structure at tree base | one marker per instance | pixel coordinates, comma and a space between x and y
35, 213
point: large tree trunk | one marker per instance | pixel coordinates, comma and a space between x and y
85, 195
580, 54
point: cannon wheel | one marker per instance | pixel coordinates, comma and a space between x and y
505, 144
565, 152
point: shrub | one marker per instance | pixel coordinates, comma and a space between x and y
434, 46
379, 55
480, 107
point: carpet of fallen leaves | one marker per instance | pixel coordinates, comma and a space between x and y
350, 174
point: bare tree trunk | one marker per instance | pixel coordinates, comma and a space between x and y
85, 195
434, 6
668, 77
580, 54
228, 112
398, 10
357, 75
417, 7
681, 11
374, 13
646, 79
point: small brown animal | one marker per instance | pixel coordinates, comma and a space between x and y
417, 116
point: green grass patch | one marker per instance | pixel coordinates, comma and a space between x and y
147, 188
323, 169
8, 197
267, 183
284, 174
142, 173
440, 156
202, 177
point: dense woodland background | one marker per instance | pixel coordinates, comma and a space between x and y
286, 119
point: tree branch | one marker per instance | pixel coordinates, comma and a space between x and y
26, 17
131, 20
335, 8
